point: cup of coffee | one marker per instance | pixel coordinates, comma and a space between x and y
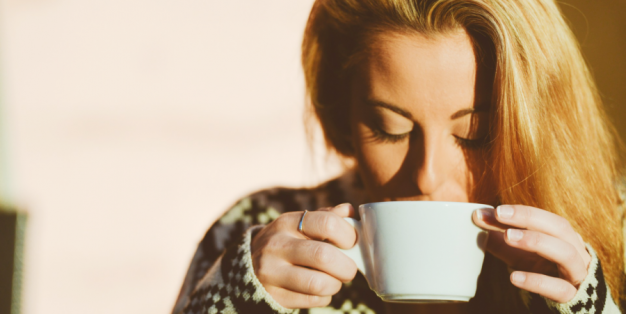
419, 251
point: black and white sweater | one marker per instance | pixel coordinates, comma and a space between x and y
221, 278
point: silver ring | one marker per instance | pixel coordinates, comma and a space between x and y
300, 228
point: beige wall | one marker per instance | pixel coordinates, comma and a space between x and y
131, 124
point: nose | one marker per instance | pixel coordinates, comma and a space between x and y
430, 166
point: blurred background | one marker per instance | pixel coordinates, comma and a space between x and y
129, 126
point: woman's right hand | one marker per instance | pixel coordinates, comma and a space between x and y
304, 270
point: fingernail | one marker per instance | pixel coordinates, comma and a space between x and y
347, 205
484, 214
514, 234
505, 211
518, 277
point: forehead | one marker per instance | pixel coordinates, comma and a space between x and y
415, 70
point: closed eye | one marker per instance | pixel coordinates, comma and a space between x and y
469, 143
385, 137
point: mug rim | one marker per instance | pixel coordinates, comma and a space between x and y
430, 202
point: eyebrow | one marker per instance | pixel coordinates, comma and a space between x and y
482, 107
398, 110
466, 111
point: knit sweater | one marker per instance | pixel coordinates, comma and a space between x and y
221, 277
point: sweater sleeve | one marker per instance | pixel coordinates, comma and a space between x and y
230, 285
220, 278
593, 295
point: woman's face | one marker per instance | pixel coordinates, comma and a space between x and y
419, 119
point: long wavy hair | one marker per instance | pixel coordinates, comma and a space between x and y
552, 145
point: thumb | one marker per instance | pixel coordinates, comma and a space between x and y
342, 210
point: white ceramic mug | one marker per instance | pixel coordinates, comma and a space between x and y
419, 251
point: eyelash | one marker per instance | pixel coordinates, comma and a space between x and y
385, 137
470, 144
394, 138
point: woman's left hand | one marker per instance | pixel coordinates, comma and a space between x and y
548, 256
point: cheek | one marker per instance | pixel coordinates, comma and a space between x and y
456, 170
378, 162
482, 187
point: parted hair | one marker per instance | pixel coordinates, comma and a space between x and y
551, 143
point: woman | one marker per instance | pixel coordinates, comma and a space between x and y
452, 100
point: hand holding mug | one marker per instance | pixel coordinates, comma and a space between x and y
549, 257
305, 269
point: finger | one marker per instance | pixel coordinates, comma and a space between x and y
556, 289
531, 218
323, 257
343, 210
516, 258
569, 262
294, 300
324, 209
497, 246
486, 218
304, 280
328, 226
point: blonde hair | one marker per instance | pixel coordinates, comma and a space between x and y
552, 146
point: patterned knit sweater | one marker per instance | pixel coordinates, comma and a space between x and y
221, 278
